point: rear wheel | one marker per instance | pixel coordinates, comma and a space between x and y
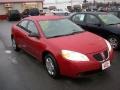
14, 45
114, 41
51, 66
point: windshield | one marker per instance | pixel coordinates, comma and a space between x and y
60, 27
109, 19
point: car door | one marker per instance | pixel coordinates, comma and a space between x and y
93, 24
33, 42
22, 33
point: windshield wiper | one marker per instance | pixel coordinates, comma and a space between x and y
75, 32
113, 23
57, 36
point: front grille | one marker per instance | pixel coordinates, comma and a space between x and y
106, 54
98, 57
101, 56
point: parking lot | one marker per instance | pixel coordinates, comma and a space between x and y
20, 71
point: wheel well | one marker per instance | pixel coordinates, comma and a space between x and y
55, 62
43, 55
11, 36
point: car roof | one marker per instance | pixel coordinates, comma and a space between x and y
114, 11
39, 18
95, 13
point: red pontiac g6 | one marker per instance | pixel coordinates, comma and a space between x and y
65, 48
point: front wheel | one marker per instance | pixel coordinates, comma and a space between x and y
51, 66
66, 14
114, 41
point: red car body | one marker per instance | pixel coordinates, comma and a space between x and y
86, 43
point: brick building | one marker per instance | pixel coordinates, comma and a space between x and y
20, 5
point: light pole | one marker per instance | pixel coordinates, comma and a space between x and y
71, 2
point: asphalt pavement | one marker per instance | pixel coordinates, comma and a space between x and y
20, 71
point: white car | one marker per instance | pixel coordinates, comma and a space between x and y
60, 12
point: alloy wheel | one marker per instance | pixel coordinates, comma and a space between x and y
50, 66
114, 42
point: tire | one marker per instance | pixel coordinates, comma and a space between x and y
66, 14
114, 41
14, 45
9, 19
51, 66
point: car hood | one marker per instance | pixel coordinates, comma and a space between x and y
84, 42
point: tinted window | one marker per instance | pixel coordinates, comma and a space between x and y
23, 24
60, 27
31, 27
91, 19
78, 18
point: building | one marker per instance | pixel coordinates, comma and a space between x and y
62, 4
20, 5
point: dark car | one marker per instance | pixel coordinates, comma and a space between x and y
25, 13
30, 12
34, 12
116, 13
14, 15
100, 23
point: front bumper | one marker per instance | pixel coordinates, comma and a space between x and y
77, 68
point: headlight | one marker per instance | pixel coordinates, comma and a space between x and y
74, 56
109, 46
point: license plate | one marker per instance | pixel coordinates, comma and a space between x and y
105, 65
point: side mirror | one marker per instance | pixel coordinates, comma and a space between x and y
34, 35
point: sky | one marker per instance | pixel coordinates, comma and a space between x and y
53, 1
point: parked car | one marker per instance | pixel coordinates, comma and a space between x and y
30, 12
116, 13
66, 50
25, 13
100, 23
42, 12
60, 12
34, 12
14, 15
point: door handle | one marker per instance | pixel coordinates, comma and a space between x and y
25, 35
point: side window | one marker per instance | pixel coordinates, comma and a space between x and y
91, 19
32, 28
78, 18
23, 24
